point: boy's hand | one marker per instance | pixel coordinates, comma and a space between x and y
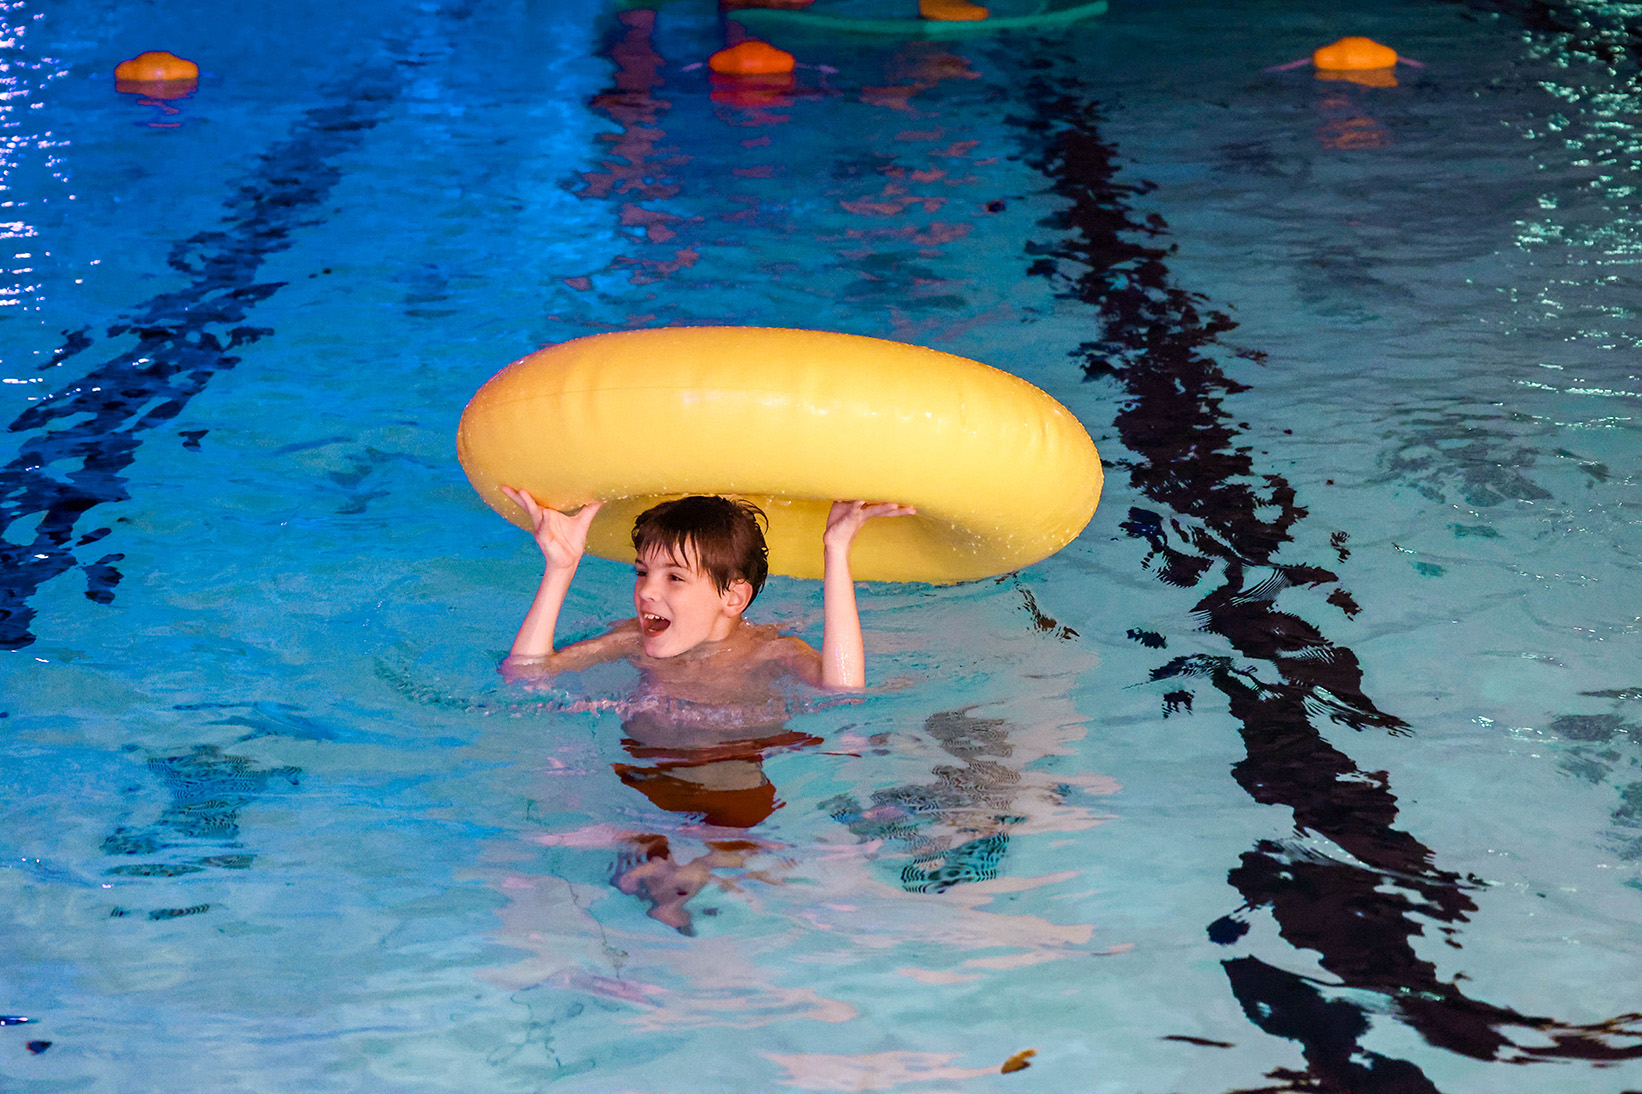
842, 659
845, 519
563, 539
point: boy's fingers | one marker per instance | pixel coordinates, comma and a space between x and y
520, 497
585, 518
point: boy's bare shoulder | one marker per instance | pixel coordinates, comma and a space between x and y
621, 641
791, 653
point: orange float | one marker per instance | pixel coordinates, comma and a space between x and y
157, 74
1358, 60
952, 11
751, 58
1354, 54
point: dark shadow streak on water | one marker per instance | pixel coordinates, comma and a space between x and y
184, 338
1359, 910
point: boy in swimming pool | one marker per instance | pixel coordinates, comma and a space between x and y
700, 562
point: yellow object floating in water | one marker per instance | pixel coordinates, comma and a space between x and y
1019, 1062
1001, 474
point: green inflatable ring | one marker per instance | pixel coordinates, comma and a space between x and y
1050, 16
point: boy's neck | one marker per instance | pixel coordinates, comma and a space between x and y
729, 629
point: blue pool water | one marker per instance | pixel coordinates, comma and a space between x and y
1315, 764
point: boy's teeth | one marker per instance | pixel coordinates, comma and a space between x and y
655, 624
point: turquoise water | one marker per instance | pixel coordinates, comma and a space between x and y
1312, 765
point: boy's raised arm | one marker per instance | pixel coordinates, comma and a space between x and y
563, 540
843, 664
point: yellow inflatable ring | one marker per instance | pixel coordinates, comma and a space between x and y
1001, 474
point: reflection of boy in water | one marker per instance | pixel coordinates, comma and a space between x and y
719, 780
724, 782
668, 885
709, 703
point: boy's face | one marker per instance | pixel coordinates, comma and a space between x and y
679, 607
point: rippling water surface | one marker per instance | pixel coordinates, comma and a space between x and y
1315, 764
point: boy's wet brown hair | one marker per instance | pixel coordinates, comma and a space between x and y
726, 535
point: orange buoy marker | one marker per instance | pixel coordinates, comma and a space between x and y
751, 58
1354, 54
1359, 60
157, 74
952, 11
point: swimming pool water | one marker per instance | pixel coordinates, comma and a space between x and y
1312, 765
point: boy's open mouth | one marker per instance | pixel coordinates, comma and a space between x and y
653, 625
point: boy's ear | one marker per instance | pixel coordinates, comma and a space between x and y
738, 596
